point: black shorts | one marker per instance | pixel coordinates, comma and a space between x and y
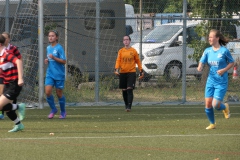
12, 90
127, 80
1, 80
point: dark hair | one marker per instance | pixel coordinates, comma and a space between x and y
128, 37
222, 40
2, 39
54, 31
8, 34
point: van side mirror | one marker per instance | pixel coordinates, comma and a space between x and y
129, 30
180, 40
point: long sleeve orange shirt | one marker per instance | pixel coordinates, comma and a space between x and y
127, 60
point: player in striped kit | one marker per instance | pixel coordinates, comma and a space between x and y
12, 70
12, 50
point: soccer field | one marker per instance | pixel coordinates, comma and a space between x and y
110, 133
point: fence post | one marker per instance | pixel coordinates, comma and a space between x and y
97, 51
41, 60
184, 51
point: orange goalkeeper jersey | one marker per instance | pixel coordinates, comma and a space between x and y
127, 60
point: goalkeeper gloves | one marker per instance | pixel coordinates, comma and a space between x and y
116, 72
141, 75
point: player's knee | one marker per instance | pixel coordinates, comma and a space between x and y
216, 104
130, 91
208, 104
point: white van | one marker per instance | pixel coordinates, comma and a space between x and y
162, 51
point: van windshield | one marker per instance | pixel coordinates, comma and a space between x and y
162, 34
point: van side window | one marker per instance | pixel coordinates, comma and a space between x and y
192, 35
105, 23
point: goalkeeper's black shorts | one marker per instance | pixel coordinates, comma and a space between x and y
127, 80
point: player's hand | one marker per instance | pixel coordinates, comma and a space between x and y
50, 56
199, 69
46, 61
116, 72
20, 82
141, 75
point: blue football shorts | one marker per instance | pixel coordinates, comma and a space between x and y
217, 91
59, 84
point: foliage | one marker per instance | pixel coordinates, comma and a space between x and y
199, 45
148, 6
174, 7
213, 9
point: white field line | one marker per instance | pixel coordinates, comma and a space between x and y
118, 137
136, 107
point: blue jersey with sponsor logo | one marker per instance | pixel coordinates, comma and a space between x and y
217, 60
55, 69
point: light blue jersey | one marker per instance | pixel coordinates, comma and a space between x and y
216, 85
217, 60
55, 69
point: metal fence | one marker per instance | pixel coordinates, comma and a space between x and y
168, 35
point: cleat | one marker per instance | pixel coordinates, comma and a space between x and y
1, 116
226, 111
17, 128
128, 110
21, 111
52, 113
63, 115
211, 126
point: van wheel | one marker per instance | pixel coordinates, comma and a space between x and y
173, 71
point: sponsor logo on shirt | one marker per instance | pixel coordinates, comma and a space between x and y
213, 63
219, 55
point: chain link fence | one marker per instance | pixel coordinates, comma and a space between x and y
156, 30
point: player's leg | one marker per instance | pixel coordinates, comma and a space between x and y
49, 83
125, 97
11, 91
217, 104
123, 86
61, 98
18, 125
209, 91
131, 81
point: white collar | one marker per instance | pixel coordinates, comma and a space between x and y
3, 50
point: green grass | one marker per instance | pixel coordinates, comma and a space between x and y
109, 133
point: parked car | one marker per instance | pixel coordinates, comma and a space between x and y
162, 51
135, 36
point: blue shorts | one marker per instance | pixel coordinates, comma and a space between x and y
59, 84
216, 91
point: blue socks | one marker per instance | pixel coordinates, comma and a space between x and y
51, 103
222, 107
210, 115
62, 102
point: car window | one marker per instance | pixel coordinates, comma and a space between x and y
162, 34
192, 35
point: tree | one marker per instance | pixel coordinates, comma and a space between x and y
148, 6
214, 9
